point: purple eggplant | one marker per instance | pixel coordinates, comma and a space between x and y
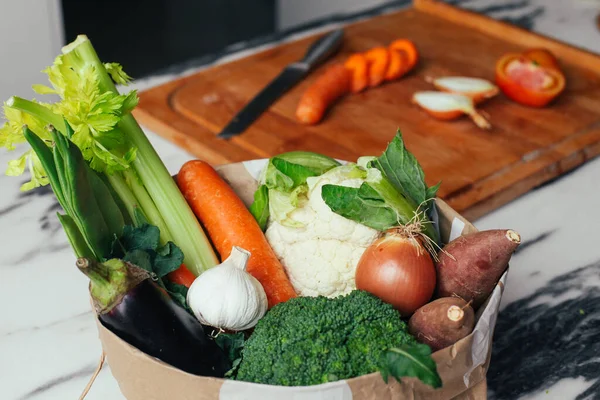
137, 310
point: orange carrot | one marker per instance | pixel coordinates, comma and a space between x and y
398, 65
408, 47
357, 63
182, 276
334, 83
229, 223
378, 59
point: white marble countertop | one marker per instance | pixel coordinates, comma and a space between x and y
548, 334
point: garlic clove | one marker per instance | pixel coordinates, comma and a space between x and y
228, 297
476, 88
449, 106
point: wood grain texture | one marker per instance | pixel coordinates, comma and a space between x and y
480, 170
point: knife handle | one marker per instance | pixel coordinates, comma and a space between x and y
323, 48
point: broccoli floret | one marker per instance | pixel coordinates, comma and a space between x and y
313, 340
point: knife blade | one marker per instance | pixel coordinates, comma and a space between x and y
318, 52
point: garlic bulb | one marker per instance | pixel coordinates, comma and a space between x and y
228, 297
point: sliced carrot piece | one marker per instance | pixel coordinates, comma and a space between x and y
357, 63
405, 45
378, 59
327, 88
398, 65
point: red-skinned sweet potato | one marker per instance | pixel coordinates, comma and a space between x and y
469, 267
442, 322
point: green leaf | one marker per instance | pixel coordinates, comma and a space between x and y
296, 172
140, 258
131, 101
232, 345
363, 205
282, 204
275, 179
167, 259
79, 198
432, 191
143, 237
17, 167
260, 207
42, 89
75, 237
177, 293
117, 74
403, 170
317, 163
413, 360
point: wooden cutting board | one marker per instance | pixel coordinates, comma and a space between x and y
479, 170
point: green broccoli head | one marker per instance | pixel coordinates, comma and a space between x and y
313, 340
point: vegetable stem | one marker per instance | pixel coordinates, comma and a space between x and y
161, 188
38, 111
117, 182
147, 205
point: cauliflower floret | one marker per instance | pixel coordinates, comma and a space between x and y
321, 256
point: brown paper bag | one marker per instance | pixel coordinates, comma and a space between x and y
462, 366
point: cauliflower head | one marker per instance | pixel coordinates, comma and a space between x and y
321, 249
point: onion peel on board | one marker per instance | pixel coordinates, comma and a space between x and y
449, 106
476, 88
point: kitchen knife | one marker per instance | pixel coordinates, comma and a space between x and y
318, 52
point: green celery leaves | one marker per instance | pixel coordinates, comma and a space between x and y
410, 360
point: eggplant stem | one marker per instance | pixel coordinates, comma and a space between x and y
89, 385
94, 270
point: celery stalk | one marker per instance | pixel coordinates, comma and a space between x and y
39, 111
177, 215
147, 205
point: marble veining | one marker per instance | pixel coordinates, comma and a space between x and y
546, 343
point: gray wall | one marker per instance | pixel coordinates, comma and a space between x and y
30, 38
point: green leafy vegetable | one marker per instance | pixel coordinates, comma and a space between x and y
412, 360
376, 203
178, 293
296, 172
141, 246
80, 193
112, 146
281, 205
404, 172
363, 205
284, 185
232, 345
260, 207
317, 163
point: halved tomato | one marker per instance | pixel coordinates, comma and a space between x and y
527, 81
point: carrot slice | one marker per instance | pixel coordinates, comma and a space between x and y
398, 65
357, 63
334, 83
405, 45
229, 223
378, 59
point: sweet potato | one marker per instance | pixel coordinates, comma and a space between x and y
470, 266
442, 322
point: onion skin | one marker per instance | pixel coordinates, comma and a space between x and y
399, 271
442, 322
